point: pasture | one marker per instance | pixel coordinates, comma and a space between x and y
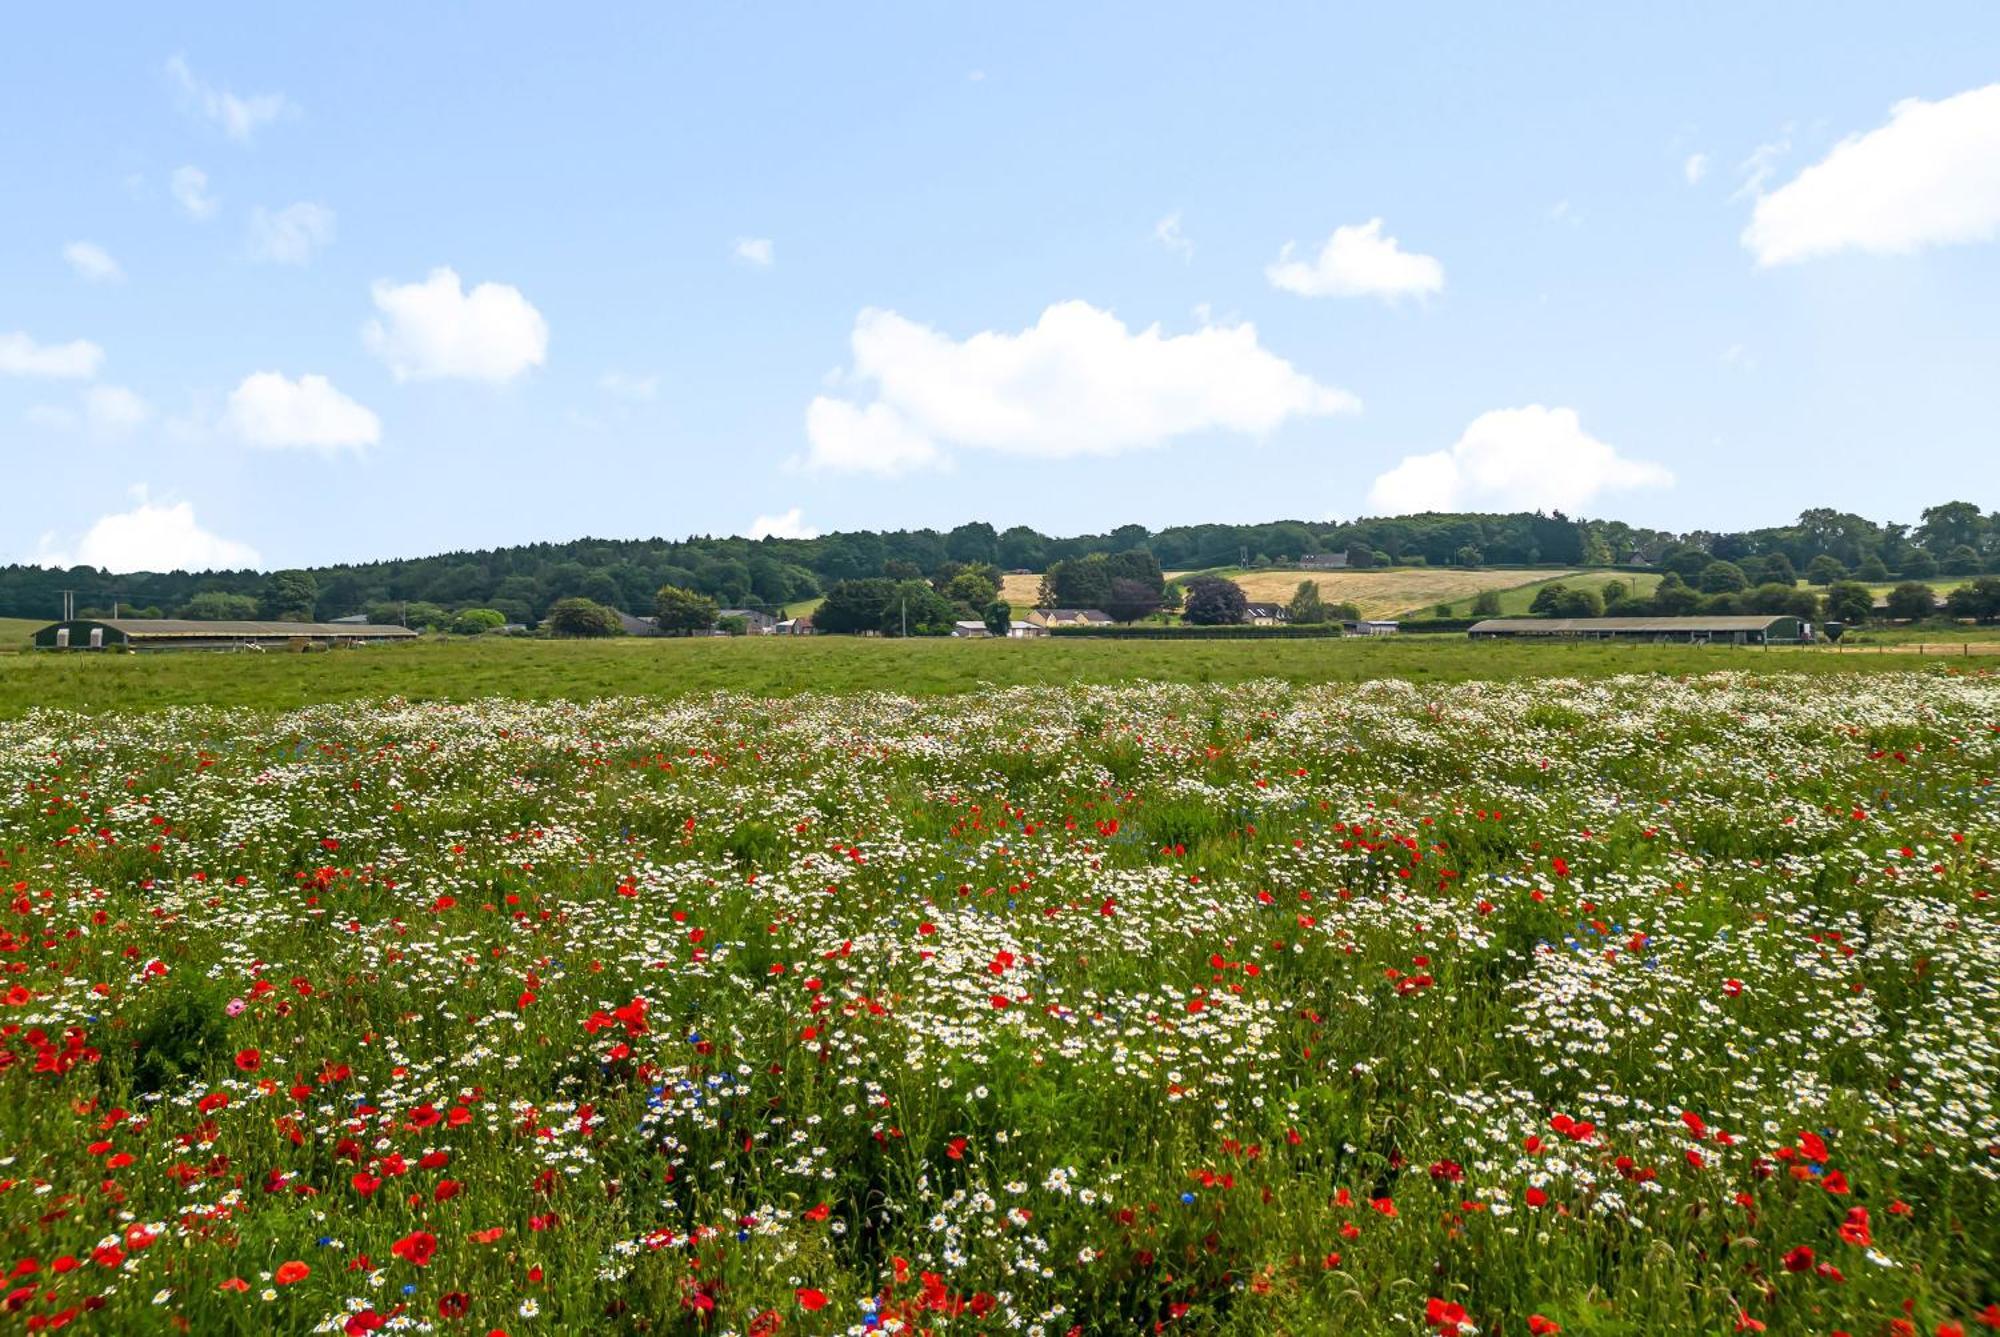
1390, 593
458, 669
1600, 1005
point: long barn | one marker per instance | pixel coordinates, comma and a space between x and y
166, 633
1724, 629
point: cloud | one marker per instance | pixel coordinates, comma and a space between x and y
190, 187
1758, 167
1523, 459
78, 359
271, 411
436, 329
92, 262
112, 409
627, 386
239, 117
1695, 168
1077, 382
292, 234
755, 251
1929, 177
790, 525
1168, 233
152, 536
1358, 261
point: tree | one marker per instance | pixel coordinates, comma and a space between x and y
682, 612
853, 606
1360, 555
1825, 569
1546, 598
1130, 600
1214, 602
577, 616
999, 618
1722, 578
1613, 592
1912, 601
1919, 565
1578, 603
1774, 597
478, 621
1486, 603
1951, 525
1306, 608
1976, 599
219, 606
1778, 568
1962, 560
1849, 601
1468, 555
1674, 597
289, 596
1873, 569
974, 587
733, 624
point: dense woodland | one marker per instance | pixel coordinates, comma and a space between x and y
522, 583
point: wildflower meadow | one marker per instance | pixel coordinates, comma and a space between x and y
1634, 1005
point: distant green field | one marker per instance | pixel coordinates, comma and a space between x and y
14, 632
1514, 601
780, 666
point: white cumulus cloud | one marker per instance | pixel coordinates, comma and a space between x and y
92, 262
790, 525
1077, 382
1523, 459
20, 355
1358, 261
190, 188
437, 329
290, 235
273, 411
1929, 177
152, 536
238, 117
755, 251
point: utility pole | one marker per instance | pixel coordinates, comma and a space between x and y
69, 605
906, 617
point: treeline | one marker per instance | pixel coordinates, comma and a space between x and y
522, 583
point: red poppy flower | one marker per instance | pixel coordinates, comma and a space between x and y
811, 1300
290, 1272
417, 1248
454, 1304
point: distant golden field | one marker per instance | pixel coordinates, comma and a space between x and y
1386, 593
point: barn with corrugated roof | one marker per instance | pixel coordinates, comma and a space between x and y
1722, 629
168, 633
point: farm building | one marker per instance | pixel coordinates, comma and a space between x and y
1369, 627
970, 629
1070, 617
795, 626
755, 621
1021, 631
1729, 629
1323, 561
162, 633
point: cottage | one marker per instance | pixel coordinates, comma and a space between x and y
755, 622
1266, 615
795, 626
1727, 629
166, 633
638, 626
1052, 618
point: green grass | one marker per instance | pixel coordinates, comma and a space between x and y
15, 631
528, 669
1514, 602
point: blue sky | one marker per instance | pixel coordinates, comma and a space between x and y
832, 267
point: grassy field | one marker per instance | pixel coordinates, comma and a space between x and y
14, 632
781, 666
1515, 599
1630, 1006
